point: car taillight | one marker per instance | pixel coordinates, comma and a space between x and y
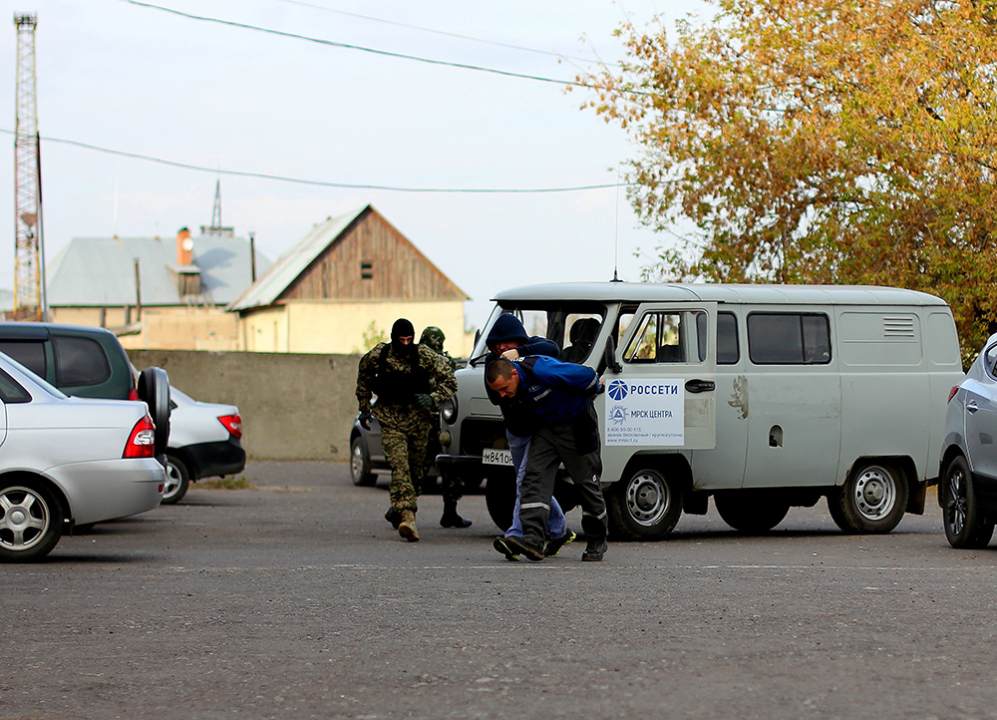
952, 393
232, 423
142, 441
133, 394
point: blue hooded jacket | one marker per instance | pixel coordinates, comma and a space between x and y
520, 420
558, 391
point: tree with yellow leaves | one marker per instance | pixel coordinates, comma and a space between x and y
824, 141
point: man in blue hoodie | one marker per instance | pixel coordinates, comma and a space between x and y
508, 339
560, 395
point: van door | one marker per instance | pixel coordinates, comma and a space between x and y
793, 395
664, 394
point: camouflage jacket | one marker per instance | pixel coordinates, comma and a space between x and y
441, 376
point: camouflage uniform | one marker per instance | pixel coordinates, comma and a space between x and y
453, 485
404, 426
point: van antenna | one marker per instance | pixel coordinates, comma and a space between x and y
616, 238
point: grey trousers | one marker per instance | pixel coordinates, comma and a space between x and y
551, 446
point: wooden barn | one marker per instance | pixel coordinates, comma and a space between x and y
342, 286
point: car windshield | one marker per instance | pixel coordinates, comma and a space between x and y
572, 325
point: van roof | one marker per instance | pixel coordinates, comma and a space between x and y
722, 293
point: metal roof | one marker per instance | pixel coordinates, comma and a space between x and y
295, 261
100, 272
721, 293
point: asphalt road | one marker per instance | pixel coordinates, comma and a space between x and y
296, 600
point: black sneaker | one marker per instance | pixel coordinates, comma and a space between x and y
594, 551
554, 546
394, 517
520, 547
503, 547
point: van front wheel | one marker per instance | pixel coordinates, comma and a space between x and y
873, 500
644, 506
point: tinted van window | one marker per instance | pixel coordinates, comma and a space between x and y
79, 361
30, 354
728, 352
789, 339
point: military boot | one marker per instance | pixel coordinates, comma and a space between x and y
450, 517
406, 528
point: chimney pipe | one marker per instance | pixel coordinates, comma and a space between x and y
184, 247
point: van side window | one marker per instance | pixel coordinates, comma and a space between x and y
29, 353
666, 337
79, 361
789, 339
728, 350
582, 332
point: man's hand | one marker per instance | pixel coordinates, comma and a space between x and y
425, 402
364, 419
602, 387
512, 354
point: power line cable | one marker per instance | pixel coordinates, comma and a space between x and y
439, 32
385, 53
318, 183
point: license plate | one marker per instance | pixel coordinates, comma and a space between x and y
496, 457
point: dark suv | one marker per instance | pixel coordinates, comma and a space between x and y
81, 361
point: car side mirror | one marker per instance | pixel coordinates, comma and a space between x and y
609, 358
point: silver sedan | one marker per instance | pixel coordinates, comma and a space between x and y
67, 462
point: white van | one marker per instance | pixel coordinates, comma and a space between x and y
763, 396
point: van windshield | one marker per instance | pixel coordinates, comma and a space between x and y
572, 326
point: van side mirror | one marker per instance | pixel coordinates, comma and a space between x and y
609, 358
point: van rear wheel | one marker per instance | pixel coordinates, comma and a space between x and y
751, 512
646, 505
872, 500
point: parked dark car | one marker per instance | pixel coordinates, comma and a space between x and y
367, 459
968, 488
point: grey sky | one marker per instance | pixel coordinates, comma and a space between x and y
139, 80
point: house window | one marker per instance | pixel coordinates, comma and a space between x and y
366, 271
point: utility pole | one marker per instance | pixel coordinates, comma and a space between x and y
29, 249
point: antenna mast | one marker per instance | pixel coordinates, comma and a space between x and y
29, 249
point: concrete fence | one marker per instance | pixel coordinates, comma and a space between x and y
293, 406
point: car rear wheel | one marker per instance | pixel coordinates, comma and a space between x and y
965, 527
644, 506
873, 500
751, 512
177, 480
360, 464
30, 522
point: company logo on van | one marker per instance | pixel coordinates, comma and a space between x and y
618, 390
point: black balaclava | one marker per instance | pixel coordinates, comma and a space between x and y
403, 328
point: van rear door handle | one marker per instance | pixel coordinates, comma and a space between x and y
972, 407
698, 386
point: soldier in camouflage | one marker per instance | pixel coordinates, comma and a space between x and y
453, 485
410, 381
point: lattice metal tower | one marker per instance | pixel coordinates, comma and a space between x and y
29, 250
